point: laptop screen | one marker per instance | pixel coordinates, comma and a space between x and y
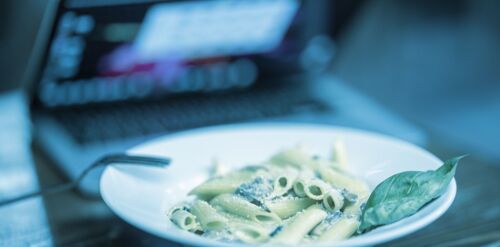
130, 49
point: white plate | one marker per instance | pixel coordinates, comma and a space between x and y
141, 195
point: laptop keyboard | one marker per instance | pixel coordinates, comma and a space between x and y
118, 121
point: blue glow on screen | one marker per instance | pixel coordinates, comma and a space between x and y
213, 28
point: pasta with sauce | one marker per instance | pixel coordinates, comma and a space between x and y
292, 198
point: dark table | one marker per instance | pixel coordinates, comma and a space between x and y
472, 220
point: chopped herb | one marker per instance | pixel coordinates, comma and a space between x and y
350, 197
256, 191
276, 231
362, 206
332, 217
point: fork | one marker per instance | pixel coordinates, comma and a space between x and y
123, 159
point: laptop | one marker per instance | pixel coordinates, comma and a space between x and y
113, 74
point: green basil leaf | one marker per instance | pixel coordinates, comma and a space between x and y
403, 194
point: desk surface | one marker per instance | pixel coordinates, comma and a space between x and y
473, 219
67, 219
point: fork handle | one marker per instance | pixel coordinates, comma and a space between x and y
47, 191
123, 159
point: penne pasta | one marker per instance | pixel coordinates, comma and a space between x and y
217, 168
284, 183
354, 209
315, 189
249, 233
333, 201
184, 220
300, 225
343, 181
293, 157
331, 219
339, 156
326, 170
292, 198
342, 229
221, 185
208, 217
299, 187
235, 205
287, 207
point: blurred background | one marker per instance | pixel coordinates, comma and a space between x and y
434, 62
82, 78
439, 60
